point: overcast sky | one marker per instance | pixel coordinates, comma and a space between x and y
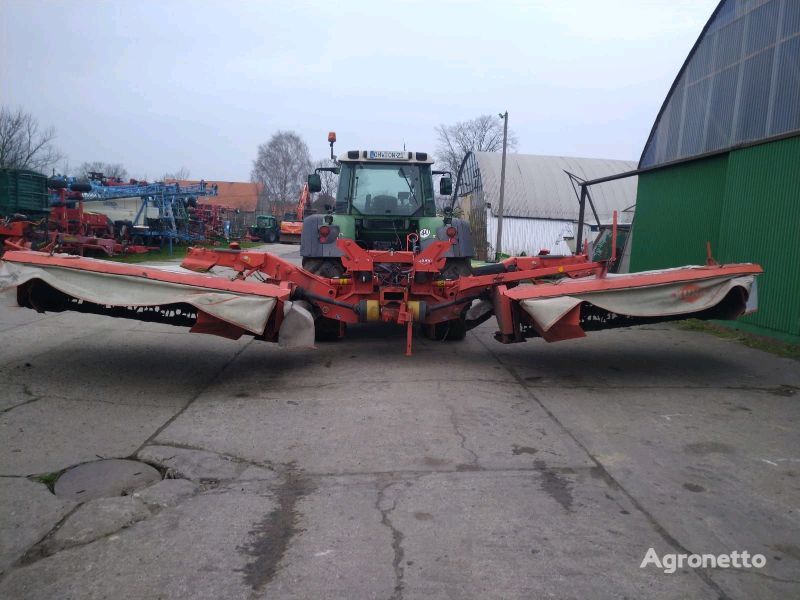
157, 85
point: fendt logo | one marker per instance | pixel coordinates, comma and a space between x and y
689, 293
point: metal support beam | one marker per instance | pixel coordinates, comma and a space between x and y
581, 215
499, 245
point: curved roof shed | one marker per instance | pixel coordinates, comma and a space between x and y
537, 187
740, 84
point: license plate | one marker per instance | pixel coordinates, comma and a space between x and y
384, 155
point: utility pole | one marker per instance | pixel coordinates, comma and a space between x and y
498, 246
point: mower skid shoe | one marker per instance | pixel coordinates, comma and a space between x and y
297, 329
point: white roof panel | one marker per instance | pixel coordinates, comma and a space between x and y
537, 186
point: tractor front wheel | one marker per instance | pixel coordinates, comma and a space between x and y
328, 330
453, 330
456, 268
324, 267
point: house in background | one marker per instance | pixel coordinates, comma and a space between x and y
232, 194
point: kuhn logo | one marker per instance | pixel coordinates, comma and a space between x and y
689, 293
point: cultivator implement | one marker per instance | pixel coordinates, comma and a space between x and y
260, 294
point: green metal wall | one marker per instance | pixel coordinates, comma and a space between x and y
747, 203
760, 222
23, 192
677, 211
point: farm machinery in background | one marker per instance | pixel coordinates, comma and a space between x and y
165, 214
24, 205
109, 216
266, 230
382, 254
291, 226
73, 229
53, 217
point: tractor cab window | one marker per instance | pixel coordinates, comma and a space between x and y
388, 189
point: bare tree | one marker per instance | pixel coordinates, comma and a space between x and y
112, 171
181, 174
330, 180
23, 144
280, 168
330, 183
482, 134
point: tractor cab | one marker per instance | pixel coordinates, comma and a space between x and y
266, 221
385, 201
399, 185
383, 196
386, 195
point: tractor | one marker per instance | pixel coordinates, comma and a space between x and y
385, 202
266, 229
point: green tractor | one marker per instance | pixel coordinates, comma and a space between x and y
266, 229
383, 198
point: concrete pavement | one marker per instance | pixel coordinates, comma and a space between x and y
469, 470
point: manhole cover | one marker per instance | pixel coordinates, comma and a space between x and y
104, 478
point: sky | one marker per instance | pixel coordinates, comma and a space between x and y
160, 85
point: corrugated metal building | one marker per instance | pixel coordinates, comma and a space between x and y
540, 206
723, 158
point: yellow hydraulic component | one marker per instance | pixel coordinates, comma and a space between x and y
373, 310
414, 309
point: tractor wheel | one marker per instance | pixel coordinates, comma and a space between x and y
454, 330
324, 267
455, 268
327, 330
271, 237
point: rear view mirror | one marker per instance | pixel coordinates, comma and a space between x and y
445, 186
314, 183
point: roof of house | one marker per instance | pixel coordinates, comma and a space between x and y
538, 187
231, 194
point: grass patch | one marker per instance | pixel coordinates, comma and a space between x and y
750, 340
49, 479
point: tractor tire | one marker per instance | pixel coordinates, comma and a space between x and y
456, 268
326, 330
271, 237
454, 330
324, 267
56, 184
